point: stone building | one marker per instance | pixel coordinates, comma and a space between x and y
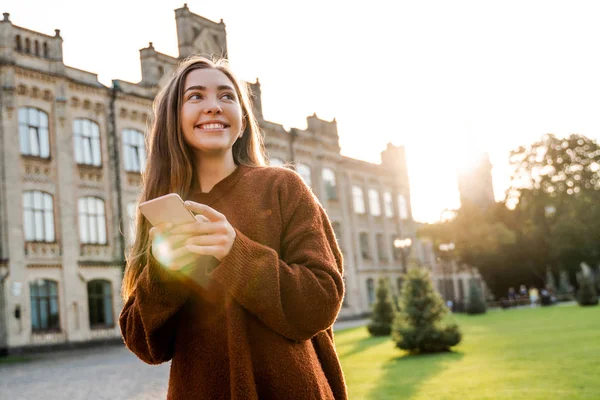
475, 184
71, 153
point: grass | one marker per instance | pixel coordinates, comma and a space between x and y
542, 353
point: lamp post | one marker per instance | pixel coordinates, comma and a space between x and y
403, 244
446, 248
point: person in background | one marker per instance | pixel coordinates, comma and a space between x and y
243, 300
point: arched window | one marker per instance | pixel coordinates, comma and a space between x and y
92, 220
18, 44
36, 48
371, 291
304, 172
45, 50
402, 207
33, 132
358, 200
161, 71
388, 204
134, 150
43, 295
374, 205
276, 162
100, 304
38, 216
27, 45
330, 184
86, 141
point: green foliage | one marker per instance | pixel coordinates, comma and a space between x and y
421, 326
383, 312
586, 296
475, 301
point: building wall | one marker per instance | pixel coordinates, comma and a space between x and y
66, 94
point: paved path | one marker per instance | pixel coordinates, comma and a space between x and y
109, 372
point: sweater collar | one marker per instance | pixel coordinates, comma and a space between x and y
221, 188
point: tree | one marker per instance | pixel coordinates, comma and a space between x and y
422, 326
564, 285
586, 296
475, 302
383, 312
550, 282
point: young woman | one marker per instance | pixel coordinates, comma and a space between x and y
243, 300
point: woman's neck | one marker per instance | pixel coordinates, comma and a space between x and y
211, 171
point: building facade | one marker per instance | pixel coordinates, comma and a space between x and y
71, 154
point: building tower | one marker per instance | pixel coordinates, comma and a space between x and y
475, 182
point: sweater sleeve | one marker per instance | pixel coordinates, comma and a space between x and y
148, 319
299, 294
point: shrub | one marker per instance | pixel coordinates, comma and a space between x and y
587, 292
383, 312
421, 326
476, 302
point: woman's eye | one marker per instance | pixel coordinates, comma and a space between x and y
195, 97
228, 96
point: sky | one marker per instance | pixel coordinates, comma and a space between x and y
447, 79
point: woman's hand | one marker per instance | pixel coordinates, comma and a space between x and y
169, 249
212, 235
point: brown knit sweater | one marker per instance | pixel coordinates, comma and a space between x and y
258, 324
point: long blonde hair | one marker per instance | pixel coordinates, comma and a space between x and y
169, 167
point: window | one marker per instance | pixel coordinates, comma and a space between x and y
27, 45
18, 43
371, 291
402, 208
374, 205
330, 185
364, 245
388, 204
36, 48
86, 137
92, 221
134, 150
100, 304
358, 200
45, 50
44, 306
381, 247
33, 132
276, 162
132, 214
304, 171
38, 217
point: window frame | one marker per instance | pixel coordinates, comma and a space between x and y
46, 208
374, 202
330, 183
98, 300
34, 138
358, 200
36, 303
92, 219
134, 150
364, 245
90, 140
307, 178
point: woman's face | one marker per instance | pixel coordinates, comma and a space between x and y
211, 114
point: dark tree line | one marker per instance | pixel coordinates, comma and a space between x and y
549, 222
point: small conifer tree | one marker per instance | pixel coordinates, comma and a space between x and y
586, 296
383, 312
475, 302
421, 326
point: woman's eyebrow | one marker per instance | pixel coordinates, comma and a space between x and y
203, 88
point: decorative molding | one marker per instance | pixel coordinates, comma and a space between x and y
33, 265
42, 249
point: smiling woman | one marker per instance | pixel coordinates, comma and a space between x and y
258, 275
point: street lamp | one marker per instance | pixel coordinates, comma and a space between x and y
403, 244
446, 248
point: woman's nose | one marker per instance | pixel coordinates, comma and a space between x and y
212, 107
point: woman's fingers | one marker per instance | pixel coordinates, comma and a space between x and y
207, 240
204, 210
160, 229
199, 228
206, 250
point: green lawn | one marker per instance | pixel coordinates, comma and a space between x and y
542, 353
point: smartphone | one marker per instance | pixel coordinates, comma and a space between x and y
167, 208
